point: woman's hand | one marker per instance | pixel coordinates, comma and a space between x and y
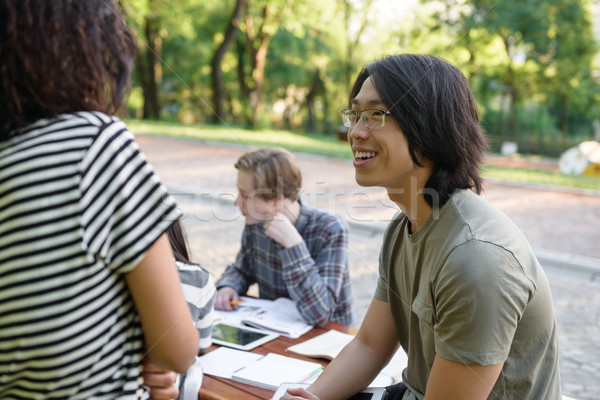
161, 382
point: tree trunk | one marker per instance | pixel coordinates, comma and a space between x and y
217, 72
153, 72
500, 131
258, 75
326, 122
315, 89
564, 117
352, 44
241, 74
142, 72
258, 44
348, 66
510, 87
512, 106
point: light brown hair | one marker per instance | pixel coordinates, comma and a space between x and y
276, 171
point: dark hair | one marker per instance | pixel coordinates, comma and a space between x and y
61, 56
276, 171
433, 104
178, 242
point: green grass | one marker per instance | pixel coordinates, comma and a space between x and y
324, 145
331, 146
522, 175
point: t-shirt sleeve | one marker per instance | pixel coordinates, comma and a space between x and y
480, 295
125, 208
381, 291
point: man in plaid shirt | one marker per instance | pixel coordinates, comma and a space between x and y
288, 248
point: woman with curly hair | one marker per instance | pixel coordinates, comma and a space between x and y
88, 285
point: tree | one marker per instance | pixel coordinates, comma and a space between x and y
149, 47
522, 28
568, 63
149, 68
259, 30
353, 42
305, 68
217, 73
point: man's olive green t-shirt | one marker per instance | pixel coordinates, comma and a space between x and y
467, 286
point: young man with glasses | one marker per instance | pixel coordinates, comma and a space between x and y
459, 286
288, 248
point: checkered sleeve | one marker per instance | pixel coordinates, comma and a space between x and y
316, 281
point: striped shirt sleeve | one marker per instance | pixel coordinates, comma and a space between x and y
199, 292
125, 208
79, 206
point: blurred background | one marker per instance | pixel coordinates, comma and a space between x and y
256, 73
288, 64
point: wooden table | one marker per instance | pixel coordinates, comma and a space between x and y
216, 388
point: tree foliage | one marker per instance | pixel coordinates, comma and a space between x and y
289, 63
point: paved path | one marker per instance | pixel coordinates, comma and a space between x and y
562, 228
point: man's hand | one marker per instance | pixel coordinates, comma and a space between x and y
279, 228
299, 394
225, 296
161, 382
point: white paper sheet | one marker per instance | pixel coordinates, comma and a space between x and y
223, 362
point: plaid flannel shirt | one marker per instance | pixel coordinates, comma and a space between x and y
313, 273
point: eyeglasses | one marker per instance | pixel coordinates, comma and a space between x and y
371, 118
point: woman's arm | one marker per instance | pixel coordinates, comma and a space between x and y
170, 336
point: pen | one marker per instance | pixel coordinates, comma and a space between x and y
315, 372
235, 302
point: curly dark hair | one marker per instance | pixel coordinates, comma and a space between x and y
434, 106
61, 56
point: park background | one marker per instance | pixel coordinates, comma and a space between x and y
277, 72
287, 65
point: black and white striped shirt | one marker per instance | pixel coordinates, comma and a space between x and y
199, 292
79, 206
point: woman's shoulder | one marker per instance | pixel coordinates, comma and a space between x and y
193, 274
86, 118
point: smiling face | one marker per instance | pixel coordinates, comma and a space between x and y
253, 207
381, 155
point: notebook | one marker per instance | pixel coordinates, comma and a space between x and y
272, 370
280, 316
329, 344
224, 361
